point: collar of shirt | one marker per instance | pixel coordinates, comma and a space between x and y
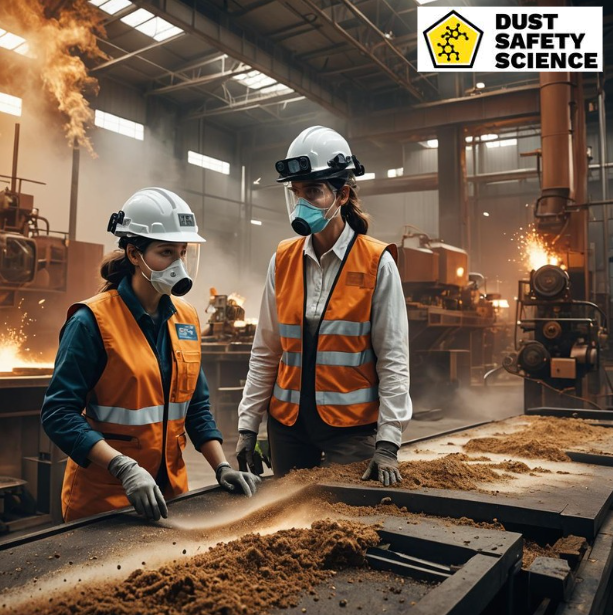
165, 309
339, 248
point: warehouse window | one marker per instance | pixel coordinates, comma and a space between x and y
120, 125
365, 177
10, 104
395, 172
206, 162
501, 143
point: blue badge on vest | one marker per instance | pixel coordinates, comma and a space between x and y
186, 332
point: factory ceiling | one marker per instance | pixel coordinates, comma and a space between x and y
246, 62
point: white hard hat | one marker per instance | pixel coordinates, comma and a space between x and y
318, 153
156, 213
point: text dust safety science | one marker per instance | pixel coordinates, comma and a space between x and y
532, 43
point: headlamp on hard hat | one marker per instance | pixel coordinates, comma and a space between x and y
293, 166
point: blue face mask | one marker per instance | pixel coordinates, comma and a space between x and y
308, 219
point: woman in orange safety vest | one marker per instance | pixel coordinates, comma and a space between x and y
330, 357
127, 385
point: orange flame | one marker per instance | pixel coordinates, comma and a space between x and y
54, 42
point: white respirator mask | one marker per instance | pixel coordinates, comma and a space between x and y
175, 279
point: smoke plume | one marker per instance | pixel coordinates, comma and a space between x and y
58, 41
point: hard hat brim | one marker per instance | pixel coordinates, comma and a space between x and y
171, 237
316, 175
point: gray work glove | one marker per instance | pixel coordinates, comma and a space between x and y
245, 449
384, 464
230, 479
142, 491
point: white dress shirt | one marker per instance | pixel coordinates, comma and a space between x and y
389, 334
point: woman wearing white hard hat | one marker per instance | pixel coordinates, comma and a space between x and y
330, 356
127, 387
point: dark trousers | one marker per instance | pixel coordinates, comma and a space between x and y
301, 445
297, 447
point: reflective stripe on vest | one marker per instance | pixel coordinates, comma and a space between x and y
291, 331
346, 382
142, 416
344, 327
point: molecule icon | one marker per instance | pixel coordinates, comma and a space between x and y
447, 47
455, 33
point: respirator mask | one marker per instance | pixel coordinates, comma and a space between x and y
178, 278
308, 213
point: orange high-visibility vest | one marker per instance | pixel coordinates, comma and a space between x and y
346, 382
127, 404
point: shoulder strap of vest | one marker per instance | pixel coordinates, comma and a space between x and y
381, 246
185, 310
92, 301
288, 247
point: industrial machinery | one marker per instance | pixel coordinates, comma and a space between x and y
42, 273
227, 321
562, 340
452, 319
562, 331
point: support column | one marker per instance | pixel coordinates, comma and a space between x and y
452, 189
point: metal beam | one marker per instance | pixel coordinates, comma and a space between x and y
197, 81
517, 107
259, 53
364, 50
410, 68
252, 103
132, 54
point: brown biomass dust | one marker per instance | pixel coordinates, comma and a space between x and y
543, 438
250, 575
449, 472
567, 547
388, 508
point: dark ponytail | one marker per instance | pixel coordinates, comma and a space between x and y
352, 212
116, 265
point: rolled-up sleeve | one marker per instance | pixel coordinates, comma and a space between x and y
199, 422
79, 363
390, 340
264, 362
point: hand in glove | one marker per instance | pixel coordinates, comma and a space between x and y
245, 450
230, 479
384, 464
141, 489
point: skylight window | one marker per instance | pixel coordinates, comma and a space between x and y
10, 104
111, 6
119, 125
141, 19
146, 22
206, 162
15, 43
255, 80
278, 87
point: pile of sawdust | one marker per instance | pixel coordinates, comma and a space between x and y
449, 472
543, 438
249, 575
